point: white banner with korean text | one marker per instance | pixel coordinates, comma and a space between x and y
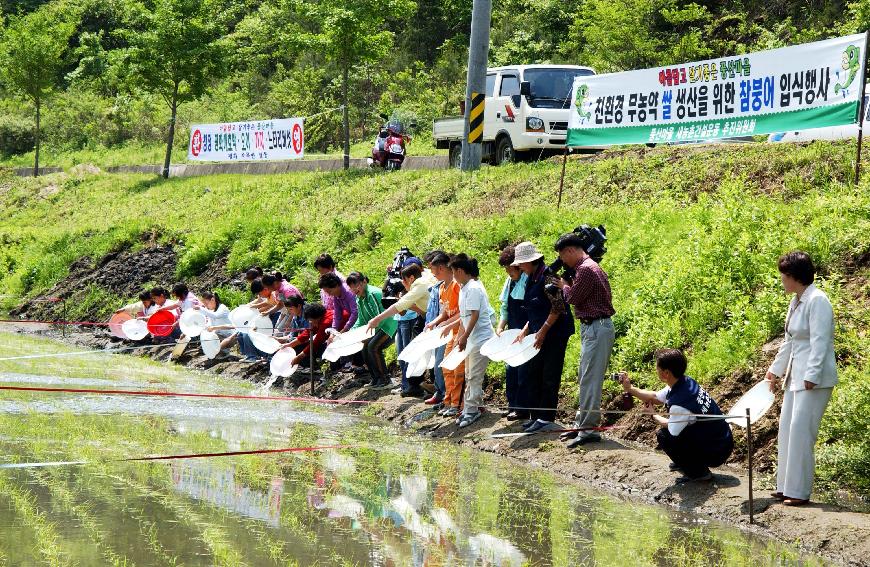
813, 85
259, 140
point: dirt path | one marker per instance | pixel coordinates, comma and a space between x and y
618, 466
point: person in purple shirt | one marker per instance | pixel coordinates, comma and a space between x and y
343, 302
324, 264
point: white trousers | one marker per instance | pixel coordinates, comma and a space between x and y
475, 370
798, 430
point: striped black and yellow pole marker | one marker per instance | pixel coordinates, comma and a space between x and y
475, 118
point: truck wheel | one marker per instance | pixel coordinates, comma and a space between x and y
455, 156
504, 151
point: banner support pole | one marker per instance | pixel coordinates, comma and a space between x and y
861, 111
562, 179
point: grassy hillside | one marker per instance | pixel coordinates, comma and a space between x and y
694, 234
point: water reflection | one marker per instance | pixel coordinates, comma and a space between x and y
217, 486
393, 500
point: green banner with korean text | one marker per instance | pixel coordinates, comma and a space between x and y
813, 85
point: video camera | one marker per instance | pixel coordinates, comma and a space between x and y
393, 286
592, 241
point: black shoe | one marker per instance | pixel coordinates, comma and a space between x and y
383, 384
703, 478
417, 392
528, 423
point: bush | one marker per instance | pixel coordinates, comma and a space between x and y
16, 135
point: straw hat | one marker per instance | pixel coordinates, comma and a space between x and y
525, 252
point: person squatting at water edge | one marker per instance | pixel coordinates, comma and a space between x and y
805, 368
693, 442
369, 304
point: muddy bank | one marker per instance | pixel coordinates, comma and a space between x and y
120, 274
624, 464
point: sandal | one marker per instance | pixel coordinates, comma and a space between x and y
795, 501
778, 495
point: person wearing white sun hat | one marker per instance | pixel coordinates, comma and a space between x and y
552, 324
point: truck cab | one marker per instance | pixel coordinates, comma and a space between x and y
525, 114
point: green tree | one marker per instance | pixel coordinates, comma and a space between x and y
31, 57
352, 33
176, 51
620, 35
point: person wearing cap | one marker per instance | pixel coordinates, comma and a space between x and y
552, 325
414, 301
512, 315
589, 294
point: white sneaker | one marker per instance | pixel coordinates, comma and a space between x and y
396, 390
468, 418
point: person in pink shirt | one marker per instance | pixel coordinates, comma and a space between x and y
280, 290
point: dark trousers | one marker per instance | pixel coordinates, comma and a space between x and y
694, 455
373, 354
405, 333
540, 385
515, 377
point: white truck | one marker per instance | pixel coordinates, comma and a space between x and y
525, 114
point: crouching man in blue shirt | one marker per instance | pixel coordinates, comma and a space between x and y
693, 441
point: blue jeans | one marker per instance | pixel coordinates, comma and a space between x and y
247, 348
439, 374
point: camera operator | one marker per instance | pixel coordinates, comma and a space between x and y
587, 289
693, 442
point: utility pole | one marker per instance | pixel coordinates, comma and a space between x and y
475, 90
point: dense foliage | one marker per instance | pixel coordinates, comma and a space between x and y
252, 59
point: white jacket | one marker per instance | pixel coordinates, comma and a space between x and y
808, 350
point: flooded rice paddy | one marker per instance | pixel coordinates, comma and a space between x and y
389, 498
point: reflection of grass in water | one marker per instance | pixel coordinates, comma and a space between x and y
47, 539
63, 497
78, 366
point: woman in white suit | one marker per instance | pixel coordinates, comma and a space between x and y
807, 371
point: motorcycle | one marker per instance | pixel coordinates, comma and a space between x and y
388, 151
